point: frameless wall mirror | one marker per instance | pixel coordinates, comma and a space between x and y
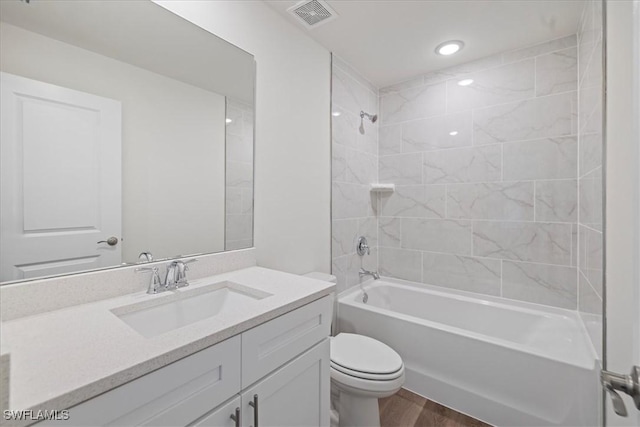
125, 130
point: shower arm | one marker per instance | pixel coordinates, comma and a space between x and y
371, 117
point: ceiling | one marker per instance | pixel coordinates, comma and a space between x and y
390, 41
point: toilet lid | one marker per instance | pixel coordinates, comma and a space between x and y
363, 354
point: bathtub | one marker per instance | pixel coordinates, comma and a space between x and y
504, 362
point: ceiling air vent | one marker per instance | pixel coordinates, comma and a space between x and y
312, 13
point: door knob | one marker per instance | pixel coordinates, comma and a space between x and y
629, 384
111, 241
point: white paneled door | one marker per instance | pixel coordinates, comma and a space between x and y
60, 171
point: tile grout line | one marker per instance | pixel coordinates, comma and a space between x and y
446, 201
502, 278
493, 144
471, 255
458, 75
589, 283
350, 74
535, 76
535, 187
421, 267
502, 163
579, 172
439, 115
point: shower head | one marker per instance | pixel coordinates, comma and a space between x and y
373, 118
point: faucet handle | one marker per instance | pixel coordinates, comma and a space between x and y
155, 282
184, 263
181, 272
362, 247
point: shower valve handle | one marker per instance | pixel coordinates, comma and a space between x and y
362, 247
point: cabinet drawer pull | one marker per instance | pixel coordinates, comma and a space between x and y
236, 417
254, 405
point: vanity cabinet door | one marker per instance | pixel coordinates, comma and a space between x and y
221, 417
296, 395
268, 346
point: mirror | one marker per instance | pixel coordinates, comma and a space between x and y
126, 131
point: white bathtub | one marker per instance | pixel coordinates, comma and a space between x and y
506, 363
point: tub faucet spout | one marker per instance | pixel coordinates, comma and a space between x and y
373, 274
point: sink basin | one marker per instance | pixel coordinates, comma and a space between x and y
183, 308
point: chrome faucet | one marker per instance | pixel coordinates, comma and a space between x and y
373, 274
175, 277
362, 273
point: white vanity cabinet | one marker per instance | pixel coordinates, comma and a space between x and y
297, 394
171, 396
294, 396
282, 364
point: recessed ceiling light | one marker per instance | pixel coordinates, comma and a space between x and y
449, 48
465, 82
336, 113
453, 133
228, 121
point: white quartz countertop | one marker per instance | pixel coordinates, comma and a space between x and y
64, 357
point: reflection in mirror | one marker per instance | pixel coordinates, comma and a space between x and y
127, 135
239, 191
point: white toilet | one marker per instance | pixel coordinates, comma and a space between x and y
363, 370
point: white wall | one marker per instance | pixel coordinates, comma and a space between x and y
292, 163
622, 195
166, 209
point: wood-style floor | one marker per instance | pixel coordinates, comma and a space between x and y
406, 409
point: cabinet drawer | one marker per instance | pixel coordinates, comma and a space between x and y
174, 395
272, 344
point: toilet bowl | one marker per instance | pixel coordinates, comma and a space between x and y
363, 370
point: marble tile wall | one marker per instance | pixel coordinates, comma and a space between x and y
239, 176
590, 195
487, 176
354, 168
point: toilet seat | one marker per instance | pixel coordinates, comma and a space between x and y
366, 387
365, 358
367, 375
